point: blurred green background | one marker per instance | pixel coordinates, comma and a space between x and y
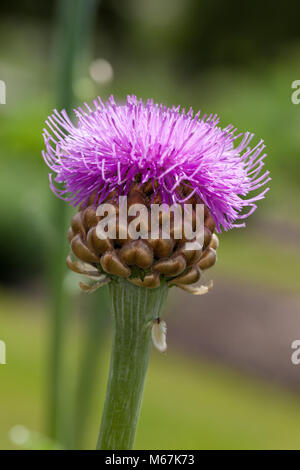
228, 381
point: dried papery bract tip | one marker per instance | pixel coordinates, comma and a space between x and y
197, 290
159, 334
82, 268
89, 288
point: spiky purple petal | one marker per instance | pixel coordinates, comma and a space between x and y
112, 144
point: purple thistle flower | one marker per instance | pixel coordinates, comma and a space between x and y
114, 144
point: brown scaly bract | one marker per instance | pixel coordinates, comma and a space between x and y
143, 262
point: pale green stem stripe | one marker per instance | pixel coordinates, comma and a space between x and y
134, 309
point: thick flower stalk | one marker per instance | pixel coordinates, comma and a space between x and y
153, 155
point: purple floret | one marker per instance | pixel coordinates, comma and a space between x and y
114, 145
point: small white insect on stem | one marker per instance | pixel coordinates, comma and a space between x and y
159, 334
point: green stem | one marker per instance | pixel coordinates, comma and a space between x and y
134, 309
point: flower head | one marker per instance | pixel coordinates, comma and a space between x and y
114, 146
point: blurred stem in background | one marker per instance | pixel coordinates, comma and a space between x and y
73, 26
97, 323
